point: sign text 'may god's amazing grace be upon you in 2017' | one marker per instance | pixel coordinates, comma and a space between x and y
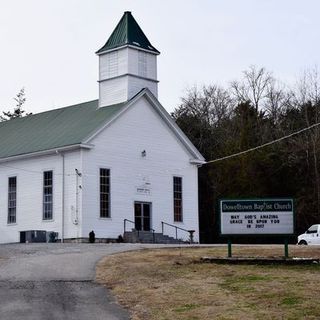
262, 216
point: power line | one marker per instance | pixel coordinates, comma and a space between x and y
33, 171
90, 174
263, 145
208, 162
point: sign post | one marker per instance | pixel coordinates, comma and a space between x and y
229, 248
257, 217
286, 248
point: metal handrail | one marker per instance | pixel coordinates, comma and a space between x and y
124, 224
153, 235
191, 232
124, 228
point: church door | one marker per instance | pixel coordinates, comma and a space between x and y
142, 216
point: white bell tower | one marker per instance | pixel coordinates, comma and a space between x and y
127, 64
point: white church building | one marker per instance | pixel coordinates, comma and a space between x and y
99, 165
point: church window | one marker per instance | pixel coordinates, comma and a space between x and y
104, 193
47, 195
177, 199
12, 199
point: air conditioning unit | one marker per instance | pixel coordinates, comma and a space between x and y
52, 236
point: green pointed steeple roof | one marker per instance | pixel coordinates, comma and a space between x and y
128, 32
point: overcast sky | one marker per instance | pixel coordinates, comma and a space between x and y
47, 46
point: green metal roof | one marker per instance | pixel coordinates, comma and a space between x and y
53, 129
128, 32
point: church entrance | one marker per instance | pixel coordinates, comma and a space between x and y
142, 216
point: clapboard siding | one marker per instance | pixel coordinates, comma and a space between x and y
29, 175
113, 91
72, 162
121, 61
119, 76
133, 63
127, 60
136, 84
119, 148
124, 88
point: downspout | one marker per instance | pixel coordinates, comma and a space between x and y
78, 188
62, 197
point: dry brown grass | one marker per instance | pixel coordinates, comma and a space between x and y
168, 284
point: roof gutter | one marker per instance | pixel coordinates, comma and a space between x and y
62, 195
48, 152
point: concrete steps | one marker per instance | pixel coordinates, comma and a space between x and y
149, 237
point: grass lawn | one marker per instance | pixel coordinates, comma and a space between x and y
170, 284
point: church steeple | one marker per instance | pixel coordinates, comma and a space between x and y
127, 63
128, 32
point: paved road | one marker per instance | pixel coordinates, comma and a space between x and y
56, 281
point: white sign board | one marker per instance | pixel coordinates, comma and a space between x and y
143, 190
257, 217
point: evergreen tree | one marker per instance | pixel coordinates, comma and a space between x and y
18, 111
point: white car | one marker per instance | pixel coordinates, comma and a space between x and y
311, 236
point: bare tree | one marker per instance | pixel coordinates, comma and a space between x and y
278, 99
218, 102
211, 104
202, 112
253, 87
307, 97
